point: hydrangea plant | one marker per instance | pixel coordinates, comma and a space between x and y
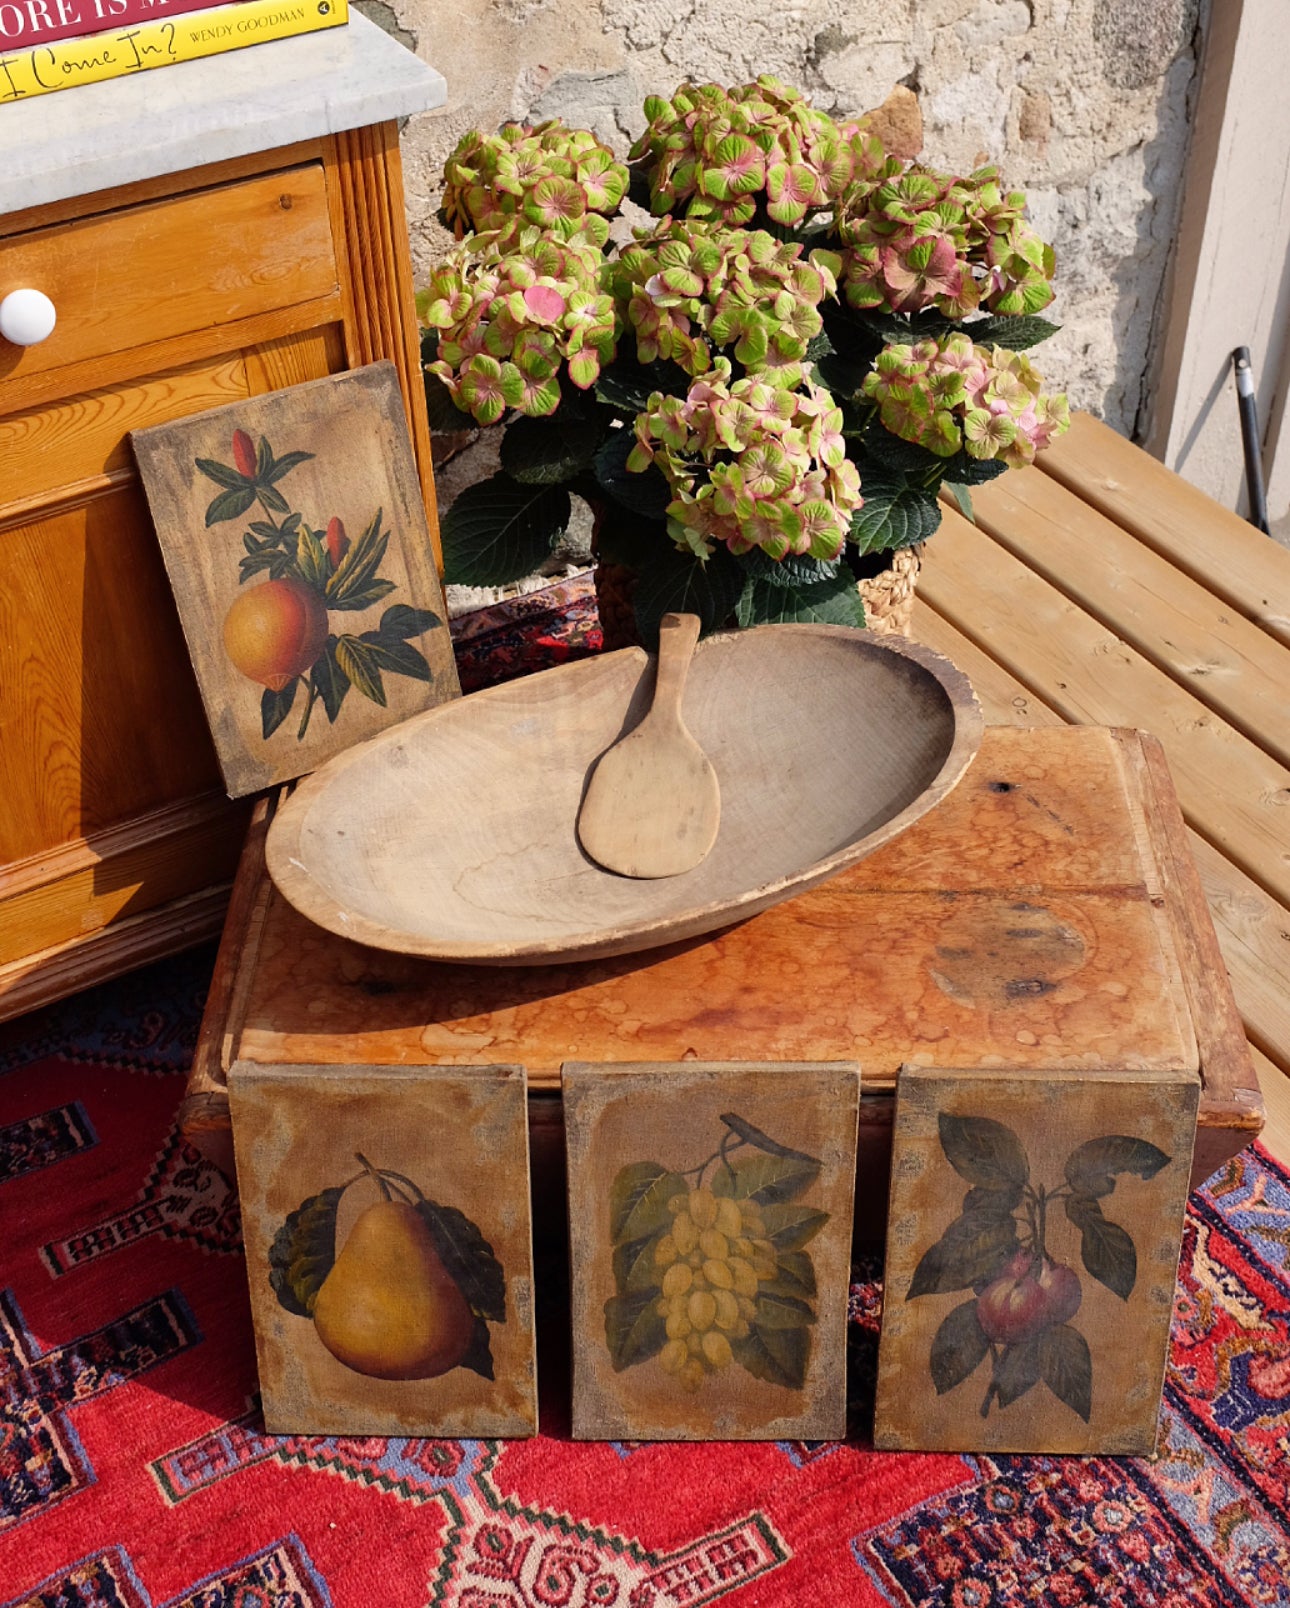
761, 387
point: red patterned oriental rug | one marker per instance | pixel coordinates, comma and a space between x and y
134, 1471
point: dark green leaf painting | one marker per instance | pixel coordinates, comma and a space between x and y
710, 1269
278, 631
1015, 1322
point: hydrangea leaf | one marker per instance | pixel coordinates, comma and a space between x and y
500, 530
895, 515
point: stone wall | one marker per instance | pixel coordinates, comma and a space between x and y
1083, 102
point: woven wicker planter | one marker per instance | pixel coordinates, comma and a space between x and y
888, 598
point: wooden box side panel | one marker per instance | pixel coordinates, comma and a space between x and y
1231, 1104
307, 1140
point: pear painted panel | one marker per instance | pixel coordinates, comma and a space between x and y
1033, 1237
386, 1221
710, 1212
294, 533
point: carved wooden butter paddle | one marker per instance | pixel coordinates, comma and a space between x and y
653, 804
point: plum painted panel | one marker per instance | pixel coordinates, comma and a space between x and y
1033, 1237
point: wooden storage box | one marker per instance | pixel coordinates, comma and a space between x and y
1045, 915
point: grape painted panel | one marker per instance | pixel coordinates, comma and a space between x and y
710, 1210
1032, 1245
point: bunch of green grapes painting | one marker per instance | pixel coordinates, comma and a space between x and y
710, 1265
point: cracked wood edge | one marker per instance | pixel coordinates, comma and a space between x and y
1233, 1104
203, 1112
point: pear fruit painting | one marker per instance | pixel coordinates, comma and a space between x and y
408, 1295
389, 1307
388, 1230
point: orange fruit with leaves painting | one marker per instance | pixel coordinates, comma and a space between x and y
275, 631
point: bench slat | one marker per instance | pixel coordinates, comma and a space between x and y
1002, 697
1276, 1099
1216, 654
1232, 792
1254, 935
1215, 546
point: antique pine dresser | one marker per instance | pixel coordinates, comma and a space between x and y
206, 232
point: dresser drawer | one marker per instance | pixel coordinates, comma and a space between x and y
168, 268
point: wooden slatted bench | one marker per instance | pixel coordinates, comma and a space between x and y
1099, 588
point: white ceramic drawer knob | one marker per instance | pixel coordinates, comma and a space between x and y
26, 317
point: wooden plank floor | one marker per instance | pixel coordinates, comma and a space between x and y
1100, 588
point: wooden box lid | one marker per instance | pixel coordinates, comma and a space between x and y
1047, 914
1023, 922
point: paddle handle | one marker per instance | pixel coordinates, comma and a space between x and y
677, 637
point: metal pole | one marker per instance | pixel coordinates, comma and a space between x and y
1258, 515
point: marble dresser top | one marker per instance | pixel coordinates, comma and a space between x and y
72, 143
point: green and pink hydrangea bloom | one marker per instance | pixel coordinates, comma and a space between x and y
750, 464
923, 239
547, 177
690, 291
712, 153
508, 323
952, 395
535, 297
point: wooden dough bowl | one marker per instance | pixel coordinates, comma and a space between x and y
453, 835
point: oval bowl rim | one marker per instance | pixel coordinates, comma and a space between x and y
310, 898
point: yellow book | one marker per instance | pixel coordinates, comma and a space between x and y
120, 52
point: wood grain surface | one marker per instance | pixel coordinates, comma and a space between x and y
86, 620
1252, 932
48, 449
1182, 629
131, 940
376, 278
1054, 818
1219, 549
156, 271
1035, 875
652, 807
1167, 616
1045, 638
454, 836
89, 883
89, 639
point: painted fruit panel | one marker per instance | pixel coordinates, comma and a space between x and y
1032, 1244
710, 1212
294, 533
388, 1243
